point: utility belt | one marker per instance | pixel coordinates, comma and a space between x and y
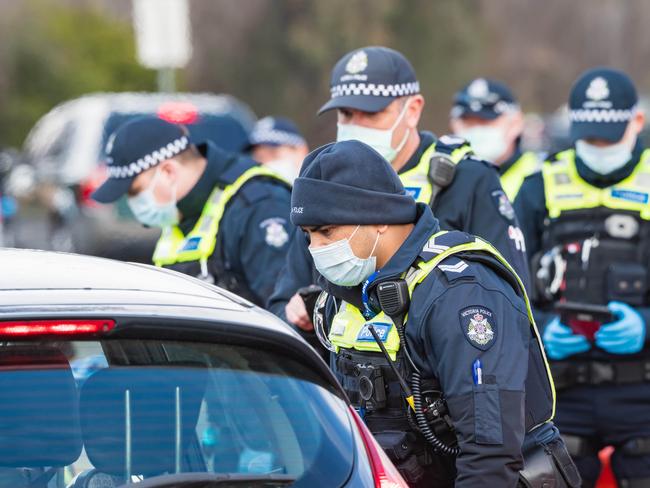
567, 374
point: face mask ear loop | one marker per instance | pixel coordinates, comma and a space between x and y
352, 235
408, 129
374, 247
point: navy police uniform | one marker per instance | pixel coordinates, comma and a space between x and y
473, 201
234, 229
466, 307
255, 232
588, 234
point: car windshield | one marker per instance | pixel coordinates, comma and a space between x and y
119, 411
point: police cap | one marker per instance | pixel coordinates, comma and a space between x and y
136, 146
601, 104
483, 98
368, 79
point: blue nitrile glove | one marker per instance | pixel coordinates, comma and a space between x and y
626, 335
560, 341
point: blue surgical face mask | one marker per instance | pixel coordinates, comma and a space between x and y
340, 266
606, 159
147, 210
379, 139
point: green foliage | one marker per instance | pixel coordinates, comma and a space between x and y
54, 53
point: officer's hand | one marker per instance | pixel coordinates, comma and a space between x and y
560, 341
297, 313
626, 335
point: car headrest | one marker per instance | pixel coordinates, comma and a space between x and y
39, 408
152, 403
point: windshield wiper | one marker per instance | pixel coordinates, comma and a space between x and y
214, 480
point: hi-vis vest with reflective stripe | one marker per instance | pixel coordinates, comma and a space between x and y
349, 328
416, 180
174, 247
513, 178
565, 190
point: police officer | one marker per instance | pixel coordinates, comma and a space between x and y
276, 143
468, 353
377, 98
223, 217
487, 115
586, 219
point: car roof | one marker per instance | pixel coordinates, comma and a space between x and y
44, 283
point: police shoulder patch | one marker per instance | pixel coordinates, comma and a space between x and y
478, 325
504, 205
276, 234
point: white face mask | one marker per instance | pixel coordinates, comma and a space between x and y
339, 265
487, 142
285, 168
380, 140
606, 159
147, 210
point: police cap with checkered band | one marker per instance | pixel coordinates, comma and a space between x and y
368, 79
136, 146
601, 104
483, 98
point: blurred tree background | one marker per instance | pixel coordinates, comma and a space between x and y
276, 55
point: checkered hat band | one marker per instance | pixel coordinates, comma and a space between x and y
375, 90
276, 137
595, 115
149, 160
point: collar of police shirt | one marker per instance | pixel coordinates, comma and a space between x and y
218, 162
425, 226
604, 181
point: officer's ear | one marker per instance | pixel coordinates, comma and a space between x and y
414, 111
515, 125
638, 121
170, 169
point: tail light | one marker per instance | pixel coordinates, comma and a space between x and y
26, 328
384, 472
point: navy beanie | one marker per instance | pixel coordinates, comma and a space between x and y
349, 183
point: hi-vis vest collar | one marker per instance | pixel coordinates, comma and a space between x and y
174, 247
565, 190
349, 329
416, 180
513, 178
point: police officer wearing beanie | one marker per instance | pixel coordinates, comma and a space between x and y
377, 98
223, 217
468, 333
487, 115
586, 220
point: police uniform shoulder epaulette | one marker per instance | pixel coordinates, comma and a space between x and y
452, 267
555, 157
254, 191
261, 188
449, 144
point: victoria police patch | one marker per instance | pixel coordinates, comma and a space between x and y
479, 326
503, 204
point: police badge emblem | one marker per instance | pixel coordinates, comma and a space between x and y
276, 234
357, 63
598, 89
478, 326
